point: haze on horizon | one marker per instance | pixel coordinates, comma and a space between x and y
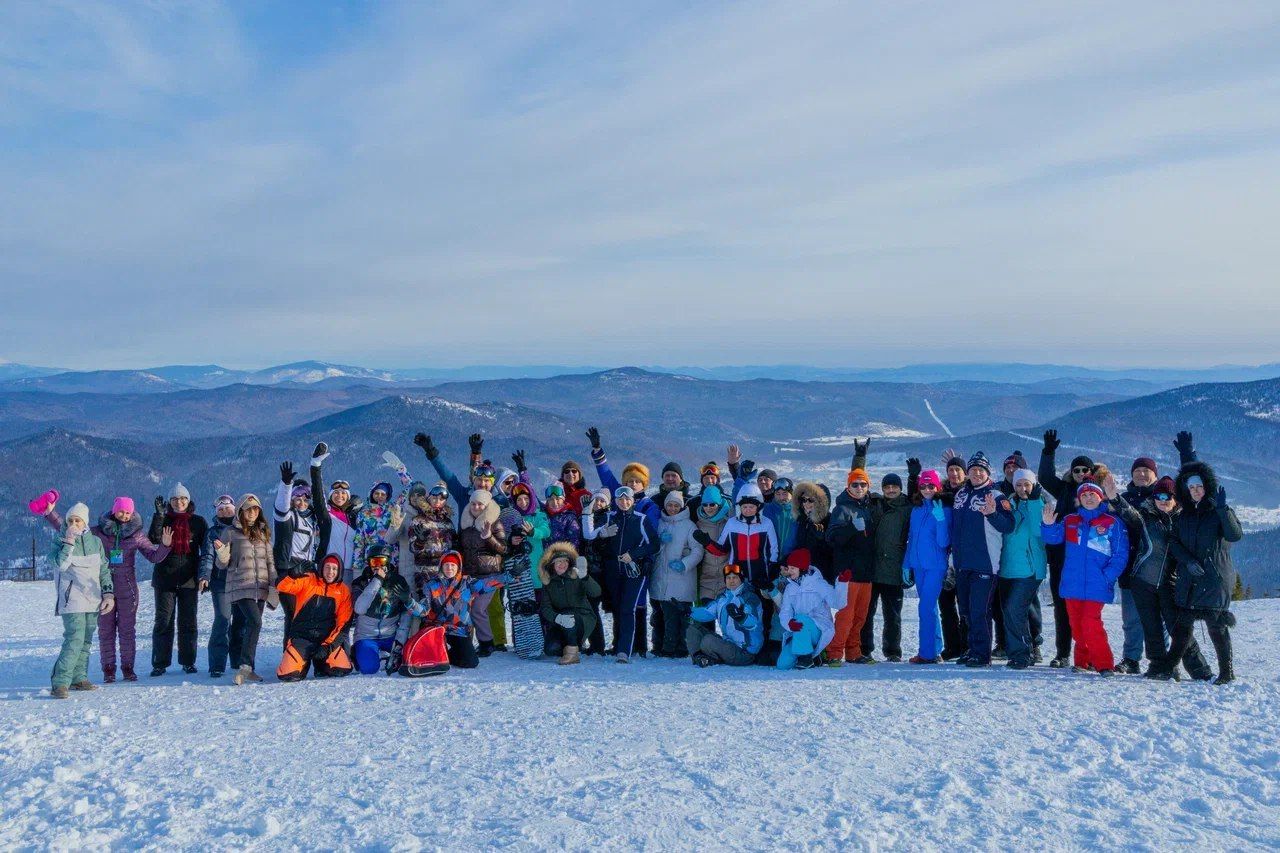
404, 184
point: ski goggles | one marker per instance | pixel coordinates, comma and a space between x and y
485, 471
438, 492
783, 484
339, 485
733, 569
378, 562
553, 491
1163, 496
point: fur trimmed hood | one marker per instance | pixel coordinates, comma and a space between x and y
554, 550
821, 506
1204, 472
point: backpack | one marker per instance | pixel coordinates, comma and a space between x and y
425, 654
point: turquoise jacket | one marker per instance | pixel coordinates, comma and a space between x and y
1023, 555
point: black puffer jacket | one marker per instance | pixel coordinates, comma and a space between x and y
1203, 533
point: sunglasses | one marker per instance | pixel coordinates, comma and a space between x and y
929, 486
808, 501
1080, 469
858, 485
1164, 496
377, 562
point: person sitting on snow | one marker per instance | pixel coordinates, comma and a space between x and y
805, 612
740, 616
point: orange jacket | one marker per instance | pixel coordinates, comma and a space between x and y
320, 611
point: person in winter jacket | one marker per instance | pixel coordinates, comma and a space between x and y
805, 611
460, 493
673, 584
563, 518
535, 521
323, 605
380, 519
748, 540
120, 532
1201, 547
925, 560
708, 476
711, 516
174, 580
635, 476
810, 509
980, 517
383, 610
527, 632
1154, 576
297, 525
567, 593
955, 628
779, 511
672, 481
628, 543
851, 532
1023, 567
450, 601
594, 516
576, 493
213, 579
342, 509
892, 519
427, 534
1096, 552
738, 613
84, 592
1130, 663
1063, 491
483, 542
244, 553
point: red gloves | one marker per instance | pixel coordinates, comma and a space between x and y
845, 576
795, 625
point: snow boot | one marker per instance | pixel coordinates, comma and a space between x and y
1036, 657
893, 659
999, 653
805, 661
864, 660
109, 675
1018, 664
1128, 666
242, 674
963, 660
1106, 673
570, 656
835, 663
129, 674
486, 649
1058, 663
213, 673
59, 693
622, 658
157, 672
190, 669
702, 660
1222, 645
84, 686
919, 660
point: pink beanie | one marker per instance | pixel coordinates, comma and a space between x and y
122, 504
931, 478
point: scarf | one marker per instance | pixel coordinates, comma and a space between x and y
181, 524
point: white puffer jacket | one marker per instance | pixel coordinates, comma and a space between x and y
666, 583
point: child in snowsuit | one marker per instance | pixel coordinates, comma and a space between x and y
449, 600
567, 593
84, 590
322, 609
740, 616
805, 613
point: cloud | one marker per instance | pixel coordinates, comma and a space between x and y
448, 183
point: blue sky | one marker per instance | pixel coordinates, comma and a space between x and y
832, 183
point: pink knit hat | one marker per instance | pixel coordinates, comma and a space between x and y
930, 478
122, 504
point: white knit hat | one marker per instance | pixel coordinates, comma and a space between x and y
79, 511
179, 491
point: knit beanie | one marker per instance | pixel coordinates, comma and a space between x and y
857, 475
930, 478
1016, 459
673, 497
1082, 462
800, 559
979, 460
767, 472
674, 467
80, 511
601, 494
179, 491
122, 504
956, 462
1165, 484
570, 466
636, 470
711, 496
1090, 486
1144, 462
1023, 474
891, 479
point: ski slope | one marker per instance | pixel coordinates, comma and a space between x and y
657, 754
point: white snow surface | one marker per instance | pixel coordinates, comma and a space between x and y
658, 754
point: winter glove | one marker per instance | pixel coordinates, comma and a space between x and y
1184, 445
795, 625
676, 566
518, 458
937, 511
908, 578
1051, 442
162, 505
1221, 498
428, 446
665, 537
1195, 570
580, 567
608, 531
286, 473
394, 658
390, 460
913, 467
108, 603
476, 441
417, 608
736, 612
845, 577
565, 620
593, 435
859, 523
748, 470
320, 454
702, 538
631, 569
860, 447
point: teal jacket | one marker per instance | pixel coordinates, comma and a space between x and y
1023, 554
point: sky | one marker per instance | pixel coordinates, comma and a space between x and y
444, 184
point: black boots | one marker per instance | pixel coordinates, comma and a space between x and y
1221, 638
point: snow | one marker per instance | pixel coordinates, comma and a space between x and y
934, 415
658, 754
1255, 518
1271, 414
450, 406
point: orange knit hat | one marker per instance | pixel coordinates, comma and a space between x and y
857, 475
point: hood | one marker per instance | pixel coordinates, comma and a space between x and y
1204, 472
556, 549
821, 506
503, 475
386, 487
108, 525
491, 514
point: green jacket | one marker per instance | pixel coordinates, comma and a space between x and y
1023, 554
892, 522
541, 531
84, 574
569, 593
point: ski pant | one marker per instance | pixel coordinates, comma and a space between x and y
628, 604
1092, 647
122, 624
367, 653
952, 637
1016, 595
498, 617
246, 625
974, 591
675, 626
997, 616
847, 642
480, 617
890, 595
1132, 624
722, 651
1061, 619
1158, 614
929, 588
182, 603
220, 633
462, 652
301, 653
803, 642
72, 665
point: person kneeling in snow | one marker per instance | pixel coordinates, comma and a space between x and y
448, 601
322, 609
567, 593
740, 616
805, 613
384, 608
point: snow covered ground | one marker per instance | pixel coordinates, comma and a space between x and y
657, 754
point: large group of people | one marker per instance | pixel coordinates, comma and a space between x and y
745, 567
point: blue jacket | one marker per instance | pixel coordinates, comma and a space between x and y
1024, 555
636, 536
1097, 551
927, 541
644, 503
976, 539
747, 635
784, 526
